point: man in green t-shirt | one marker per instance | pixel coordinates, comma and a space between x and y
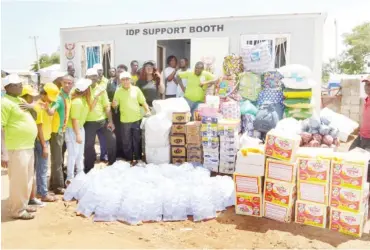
197, 83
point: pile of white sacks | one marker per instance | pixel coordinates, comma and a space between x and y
150, 193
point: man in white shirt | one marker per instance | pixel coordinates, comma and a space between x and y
184, 66
169, 74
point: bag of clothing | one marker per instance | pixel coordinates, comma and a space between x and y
249, 85
233, 65
270, 95
246, 107
266, 118
272, 79
247, 124
257, 58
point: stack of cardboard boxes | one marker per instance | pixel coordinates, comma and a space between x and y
349, 194
194, 143
228, 131
178, 137
280, 190
210, 143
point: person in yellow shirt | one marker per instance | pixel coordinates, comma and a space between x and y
197, 82
98, 118
130, 99
134, 74
102, 80
48, 94
19, 132
75, 133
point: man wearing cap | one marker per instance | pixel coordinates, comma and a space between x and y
363, 139
49, 93
19, 132
97, 120
101, 78
60, 111
129, 99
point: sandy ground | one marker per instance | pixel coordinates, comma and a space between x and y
57, 226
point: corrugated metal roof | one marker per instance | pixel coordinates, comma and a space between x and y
292, 15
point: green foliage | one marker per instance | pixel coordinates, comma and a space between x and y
46, 61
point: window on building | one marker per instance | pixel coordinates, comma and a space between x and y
279, 46
93, 53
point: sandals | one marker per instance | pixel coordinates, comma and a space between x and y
59, 191
31, 210
26, 216
49, 198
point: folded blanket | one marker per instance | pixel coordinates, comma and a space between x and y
298, 103
297, 93
298, 113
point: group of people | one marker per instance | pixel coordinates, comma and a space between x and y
68, 114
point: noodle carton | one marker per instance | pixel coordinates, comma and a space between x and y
348, 199
349, 173
311, 214
280, 193
282, 146
313, 170
313, 192
281, 170
249, 204
277, 212
248, 184
347, 222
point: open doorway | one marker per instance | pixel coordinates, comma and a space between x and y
165, 48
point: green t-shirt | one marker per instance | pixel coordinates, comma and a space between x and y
194, 92
98, 113
79, 111
129, 101
20, 127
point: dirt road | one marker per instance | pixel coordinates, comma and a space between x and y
57, 226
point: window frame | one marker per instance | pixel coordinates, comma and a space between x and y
100, 44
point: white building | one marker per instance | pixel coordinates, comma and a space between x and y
295, 38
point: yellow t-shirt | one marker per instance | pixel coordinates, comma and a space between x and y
20, 127
129, 101
134, 79
79, 111
98, 113
194, 92
45, 119
62, 107
103, 82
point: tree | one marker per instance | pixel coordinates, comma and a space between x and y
46, 61
327, 68
357, 48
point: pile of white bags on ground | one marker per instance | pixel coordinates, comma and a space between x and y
151, 193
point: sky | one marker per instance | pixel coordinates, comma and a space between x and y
22, 19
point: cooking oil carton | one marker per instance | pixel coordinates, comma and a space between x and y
248, 184
282, 146
311, 214
281, 170
277, 212
313, 192
347, 222
280, 193
315, 170
348, 199
249, 204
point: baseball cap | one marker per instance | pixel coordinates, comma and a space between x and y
11, 79
82, 84
91, 72
52, 91
29, 90
367, 79
124, 75
98, 66
57, 74
150, 62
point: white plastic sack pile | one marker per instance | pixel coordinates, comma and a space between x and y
157, 131
171, 105
151, 193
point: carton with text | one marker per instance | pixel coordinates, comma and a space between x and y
277, 212
347, 222
349, 174
250, 162
281, 170
248, 184
313, 170
280, 193
349, 199
311, 214
249, 204
282, 146
313, 192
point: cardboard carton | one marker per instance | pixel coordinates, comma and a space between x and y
277, 212
177, 140
249, 204
194, 147
209, 120
211, 166
250, 163
281, 170
193, 139
280, 193
194, 159
313, 170
178, 129
226, 167
349, 199
311, 214
282, 146
349, 174
248, 184
178, 160
313, 192
347, 222
193, 128
178, 151
181, 117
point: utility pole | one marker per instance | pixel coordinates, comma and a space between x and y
37, 52
336, 46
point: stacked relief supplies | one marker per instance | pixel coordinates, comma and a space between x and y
297, 91
178, 137
194, 143
210, 142
349, 193
229, 144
